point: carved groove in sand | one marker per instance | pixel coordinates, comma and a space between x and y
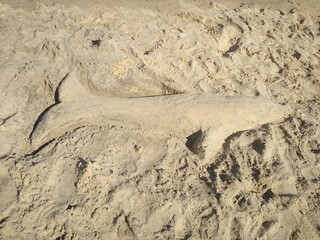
183, 114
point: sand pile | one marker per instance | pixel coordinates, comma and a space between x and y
189, 121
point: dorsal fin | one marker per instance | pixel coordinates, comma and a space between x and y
71, 89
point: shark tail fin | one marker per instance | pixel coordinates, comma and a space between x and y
71, 89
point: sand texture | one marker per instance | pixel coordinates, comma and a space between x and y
164, 120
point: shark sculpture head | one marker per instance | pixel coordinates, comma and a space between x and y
216, 117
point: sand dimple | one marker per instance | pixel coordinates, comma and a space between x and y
8, 190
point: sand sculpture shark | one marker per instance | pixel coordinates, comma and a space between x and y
215, 117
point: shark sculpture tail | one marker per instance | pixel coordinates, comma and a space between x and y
213, 118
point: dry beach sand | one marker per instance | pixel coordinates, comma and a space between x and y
159, 119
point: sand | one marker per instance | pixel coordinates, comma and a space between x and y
159, 120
